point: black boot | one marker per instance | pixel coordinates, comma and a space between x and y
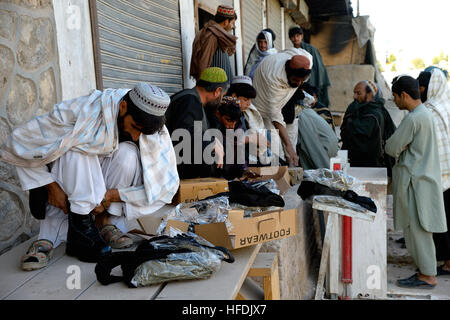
84, 240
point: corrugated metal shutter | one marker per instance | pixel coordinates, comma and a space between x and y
252, 23
274, 21
289, 22
140, 40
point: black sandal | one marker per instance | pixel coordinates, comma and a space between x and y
414, 283
442, 272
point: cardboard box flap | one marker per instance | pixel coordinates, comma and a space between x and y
180, 225
215, 233
234, 216
279, 174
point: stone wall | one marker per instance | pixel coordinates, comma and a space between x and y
29, 86
298, 256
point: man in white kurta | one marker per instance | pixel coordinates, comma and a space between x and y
417, 188
107, 153
276, 80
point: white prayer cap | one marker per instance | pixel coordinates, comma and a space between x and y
150, 99
242, 79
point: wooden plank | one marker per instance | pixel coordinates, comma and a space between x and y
264, 263
118, 291
52, 282
272, 284
335, 255
369, 216
224, 285
331, 223
13, 277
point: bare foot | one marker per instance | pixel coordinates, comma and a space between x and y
428, 279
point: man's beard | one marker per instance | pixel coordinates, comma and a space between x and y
423, 96
123, 136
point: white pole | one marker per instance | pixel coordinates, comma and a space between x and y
187, 38
238, 33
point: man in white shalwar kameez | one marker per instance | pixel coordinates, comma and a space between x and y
276, 80
107, 154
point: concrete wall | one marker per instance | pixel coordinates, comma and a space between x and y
29, 86
343, 79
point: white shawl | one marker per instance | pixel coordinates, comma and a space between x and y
89, 125
438, 101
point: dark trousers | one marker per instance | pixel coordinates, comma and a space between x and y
442, 240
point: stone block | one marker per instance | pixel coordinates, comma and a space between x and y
11, 216
8, 174
4, 131
6, 68
343, 79
36, 43
21, 100
32, 4
47, 91
8, 27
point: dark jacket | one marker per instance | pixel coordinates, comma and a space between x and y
364, 132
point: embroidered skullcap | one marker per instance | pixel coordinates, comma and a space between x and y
214, 75
150, 99
226, 11
242, 79
372, 86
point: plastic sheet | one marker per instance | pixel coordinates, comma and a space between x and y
333, 179
200, 212
340, 203
200, 263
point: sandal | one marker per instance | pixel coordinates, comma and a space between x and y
38, 255
116, 238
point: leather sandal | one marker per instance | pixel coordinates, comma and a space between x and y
414, 283
116, 238
38, 255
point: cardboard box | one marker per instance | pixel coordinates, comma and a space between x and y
279, 174
198, 189
260, 228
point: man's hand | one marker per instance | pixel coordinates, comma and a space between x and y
57, 197
220, 153
292, 157
249, 175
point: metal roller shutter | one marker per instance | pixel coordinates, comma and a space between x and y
252, 23
274, 21
139, 40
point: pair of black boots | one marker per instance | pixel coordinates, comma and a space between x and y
83, 238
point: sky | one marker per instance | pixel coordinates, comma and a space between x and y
409, 28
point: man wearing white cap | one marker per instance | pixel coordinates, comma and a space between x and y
107, 154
